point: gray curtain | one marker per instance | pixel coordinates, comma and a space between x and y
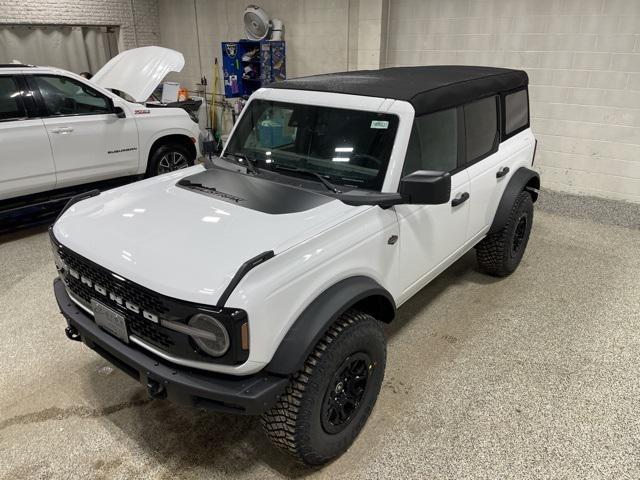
74, 48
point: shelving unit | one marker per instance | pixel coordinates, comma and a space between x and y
248, 65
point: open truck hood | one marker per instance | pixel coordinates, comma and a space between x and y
188, 242
139, 71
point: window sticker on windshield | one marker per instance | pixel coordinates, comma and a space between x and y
379, 124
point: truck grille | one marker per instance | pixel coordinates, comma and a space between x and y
141, 327
146, 300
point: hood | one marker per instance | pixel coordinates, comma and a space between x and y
187, 243
139, 71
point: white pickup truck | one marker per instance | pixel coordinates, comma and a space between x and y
60, 132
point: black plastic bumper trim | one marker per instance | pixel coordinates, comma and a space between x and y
249, 395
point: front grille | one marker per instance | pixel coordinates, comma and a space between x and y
149, 332
162, 307
145, 299
148, 301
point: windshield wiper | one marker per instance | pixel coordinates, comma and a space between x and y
323, 180
249, 163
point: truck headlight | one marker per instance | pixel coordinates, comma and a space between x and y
213, 337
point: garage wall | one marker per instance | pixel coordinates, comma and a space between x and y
137, 19
316, 33
583, 59
368, 20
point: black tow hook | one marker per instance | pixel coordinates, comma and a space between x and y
72, 334
155, 390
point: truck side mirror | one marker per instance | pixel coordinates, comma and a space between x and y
426, 187
117, 111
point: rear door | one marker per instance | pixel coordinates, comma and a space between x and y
26, 161
493, 157
482, 140
89, 142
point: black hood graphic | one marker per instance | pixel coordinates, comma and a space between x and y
252, 191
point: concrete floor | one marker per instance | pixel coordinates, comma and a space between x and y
533, 376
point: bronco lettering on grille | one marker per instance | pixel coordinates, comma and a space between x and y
113, 297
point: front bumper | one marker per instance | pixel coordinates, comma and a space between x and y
250, 395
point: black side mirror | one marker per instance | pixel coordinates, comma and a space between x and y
119, 112
360, 197
426, 187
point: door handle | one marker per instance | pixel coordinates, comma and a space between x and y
502, 172
460, 200
62, 130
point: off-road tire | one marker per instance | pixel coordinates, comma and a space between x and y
157, 155
296, 423
500, 253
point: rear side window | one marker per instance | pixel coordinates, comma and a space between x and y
11, 107
65, 96
481, 125
516, 108
434, 143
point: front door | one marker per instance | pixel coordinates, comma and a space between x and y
432, 235
89, 142
26, 162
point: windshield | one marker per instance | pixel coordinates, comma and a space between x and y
348, 147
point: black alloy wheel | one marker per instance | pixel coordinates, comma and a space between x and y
519, 234
346, 390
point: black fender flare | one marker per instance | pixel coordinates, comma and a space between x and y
320, 314
75, 199
523, 179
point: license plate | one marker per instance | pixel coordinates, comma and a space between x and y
110, 320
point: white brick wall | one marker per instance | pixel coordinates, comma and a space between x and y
583, 60
371, 33
138, 25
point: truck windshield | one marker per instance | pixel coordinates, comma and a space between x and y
347, 147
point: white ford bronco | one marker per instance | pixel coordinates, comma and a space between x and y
60, 133
257, 283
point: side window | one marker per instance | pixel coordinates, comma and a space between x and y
434, 143
516, 108
65, 96
11, 106
481, 127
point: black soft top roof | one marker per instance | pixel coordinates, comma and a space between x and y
428, 89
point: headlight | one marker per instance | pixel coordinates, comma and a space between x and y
214, 338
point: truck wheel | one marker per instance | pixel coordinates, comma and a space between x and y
499, 253
168, 158
328, 402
